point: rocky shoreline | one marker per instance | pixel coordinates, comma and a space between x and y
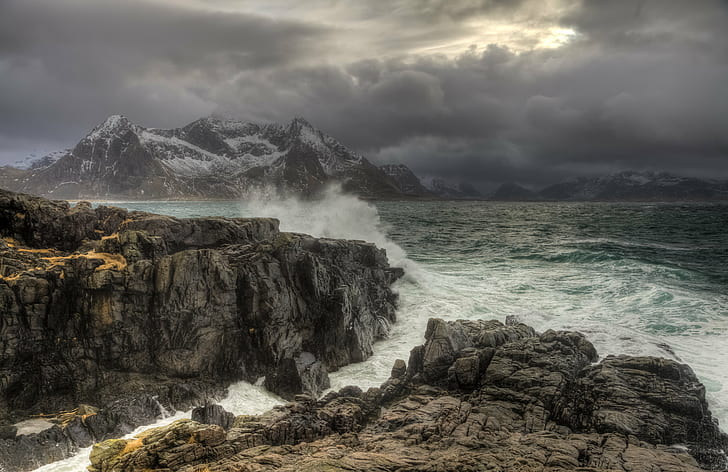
477, 396
110, 316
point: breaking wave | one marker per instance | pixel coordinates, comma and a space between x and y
331, 214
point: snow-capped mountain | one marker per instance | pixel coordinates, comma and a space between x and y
638, 186
209, 158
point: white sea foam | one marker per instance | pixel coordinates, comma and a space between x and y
334, 215
243, 398
246, 399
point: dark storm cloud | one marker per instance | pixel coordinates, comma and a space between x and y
65, 65
621, 85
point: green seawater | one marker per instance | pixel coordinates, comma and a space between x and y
641, 279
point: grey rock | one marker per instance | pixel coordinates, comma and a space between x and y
8, 431
304, 373
541, 405
213, 414
137, 313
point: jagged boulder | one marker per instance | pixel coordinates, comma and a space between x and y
213, 414
302, 374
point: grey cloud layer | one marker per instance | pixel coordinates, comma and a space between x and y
639, 86
67, 64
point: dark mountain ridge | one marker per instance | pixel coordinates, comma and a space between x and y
209, 158
637, 186
214, 158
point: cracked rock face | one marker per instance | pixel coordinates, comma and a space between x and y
477, 396
142, 312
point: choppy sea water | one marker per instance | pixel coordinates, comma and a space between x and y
640, 279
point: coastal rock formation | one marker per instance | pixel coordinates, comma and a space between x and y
137, 314
477, 396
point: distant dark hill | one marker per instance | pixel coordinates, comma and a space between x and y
406, 180
513, 192
460, 191
638, 186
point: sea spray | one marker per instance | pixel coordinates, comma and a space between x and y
330, 214
335, 214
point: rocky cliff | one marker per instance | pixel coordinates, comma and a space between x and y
477, 396
132, 312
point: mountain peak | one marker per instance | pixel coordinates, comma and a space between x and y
300, 122
300, 129
111, 125
115, 122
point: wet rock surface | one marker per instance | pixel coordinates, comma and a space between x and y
477, 396
138, 314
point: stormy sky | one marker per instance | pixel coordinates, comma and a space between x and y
480, 90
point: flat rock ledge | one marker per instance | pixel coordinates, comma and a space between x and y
477, 396
110, 319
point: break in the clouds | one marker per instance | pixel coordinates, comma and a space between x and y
480, 90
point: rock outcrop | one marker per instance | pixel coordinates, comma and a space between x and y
476, 396
138, 314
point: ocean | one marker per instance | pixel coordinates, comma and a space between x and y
635, 278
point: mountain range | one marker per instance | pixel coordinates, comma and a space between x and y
214, 158
621, 186
209, 158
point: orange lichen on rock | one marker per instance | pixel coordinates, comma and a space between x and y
10, 278
12, 242
48, 252
111, 261
132, 446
